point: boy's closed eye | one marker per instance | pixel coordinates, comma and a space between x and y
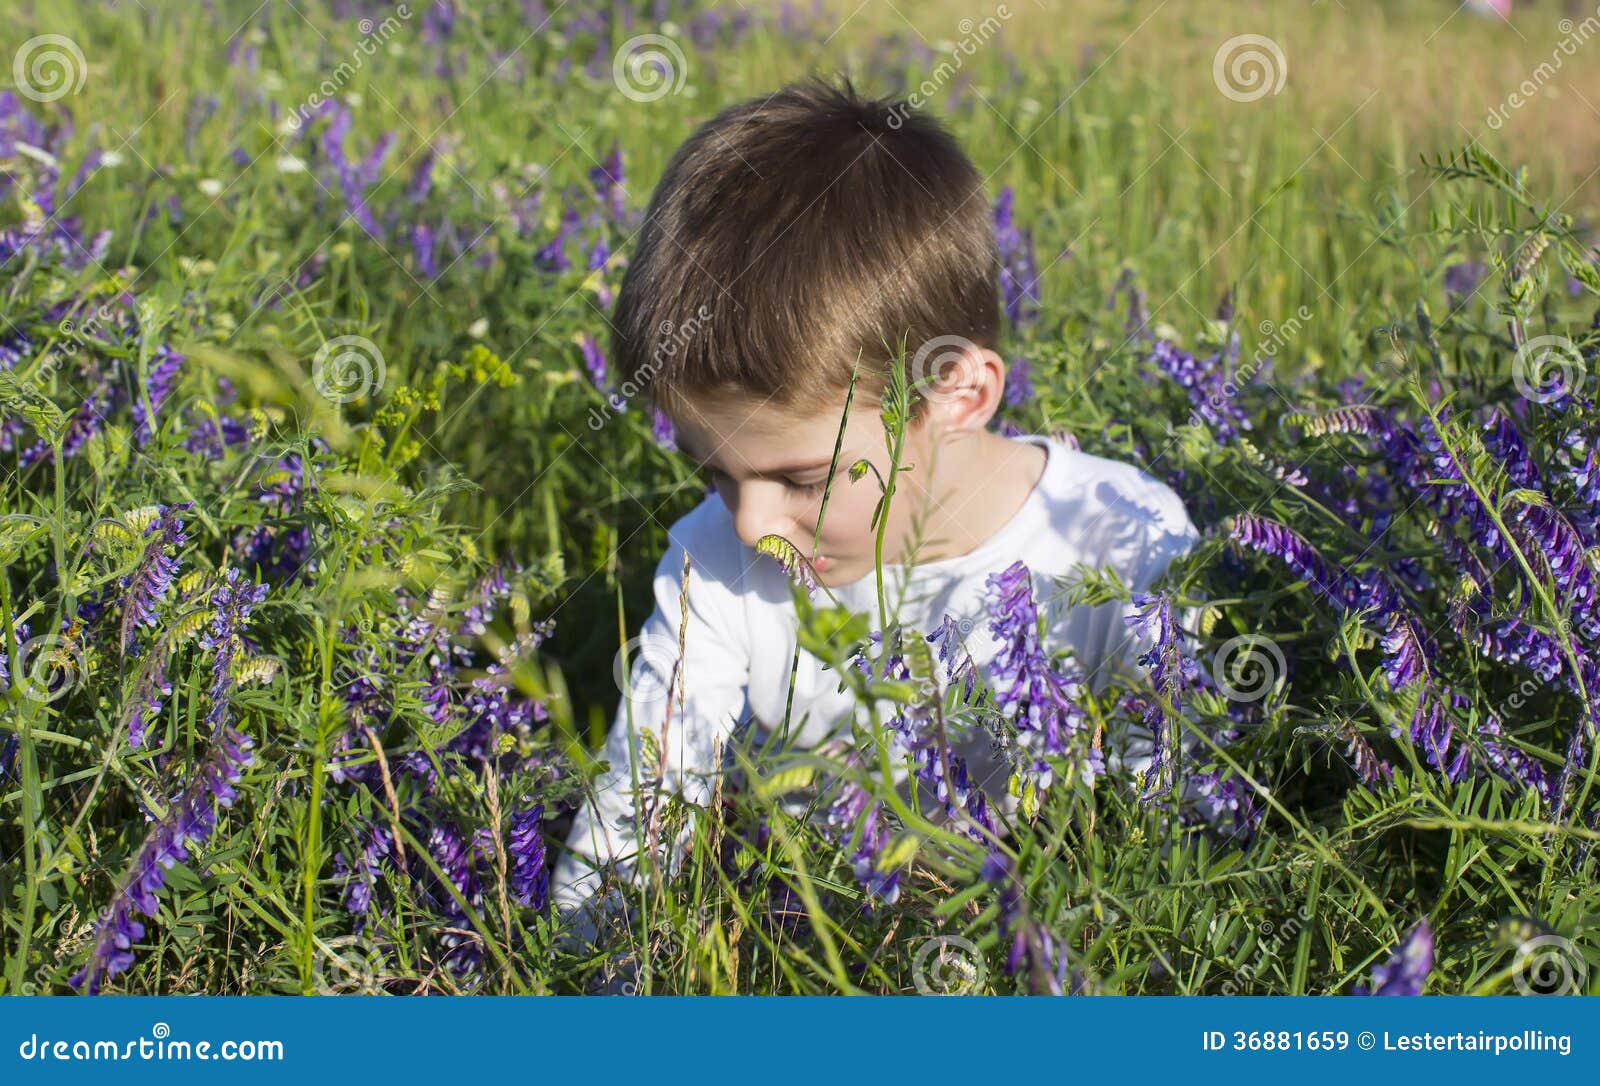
809, 487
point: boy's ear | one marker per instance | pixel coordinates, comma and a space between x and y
961, 385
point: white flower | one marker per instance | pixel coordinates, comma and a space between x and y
210, 186
478, 327
111, 158
291, 164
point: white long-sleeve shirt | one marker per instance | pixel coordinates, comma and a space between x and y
740, 640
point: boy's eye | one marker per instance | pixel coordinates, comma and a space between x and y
809, 488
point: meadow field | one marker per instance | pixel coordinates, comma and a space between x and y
326, 526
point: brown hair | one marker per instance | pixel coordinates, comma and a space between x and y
790, 235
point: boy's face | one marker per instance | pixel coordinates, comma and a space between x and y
770, 466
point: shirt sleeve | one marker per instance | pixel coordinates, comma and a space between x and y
663, 746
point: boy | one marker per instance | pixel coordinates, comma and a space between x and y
797, 235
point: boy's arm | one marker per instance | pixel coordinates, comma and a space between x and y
711, 674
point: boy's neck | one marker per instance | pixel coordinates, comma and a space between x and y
980, 481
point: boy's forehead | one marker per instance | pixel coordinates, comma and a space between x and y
762, 433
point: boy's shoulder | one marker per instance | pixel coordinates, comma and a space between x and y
1116, 487
1109, 512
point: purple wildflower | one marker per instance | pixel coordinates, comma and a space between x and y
422, 248
1407, 969
1019, 383
231, 602
529, 879
163, 376
661, 429
553, 255
1172, 673
1210, 391
607, 179
1036, 698
146, 588
1019, 272
189, 824
594, 361
361, 879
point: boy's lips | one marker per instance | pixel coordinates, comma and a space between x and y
821, 563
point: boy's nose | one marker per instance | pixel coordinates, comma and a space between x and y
756, 515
